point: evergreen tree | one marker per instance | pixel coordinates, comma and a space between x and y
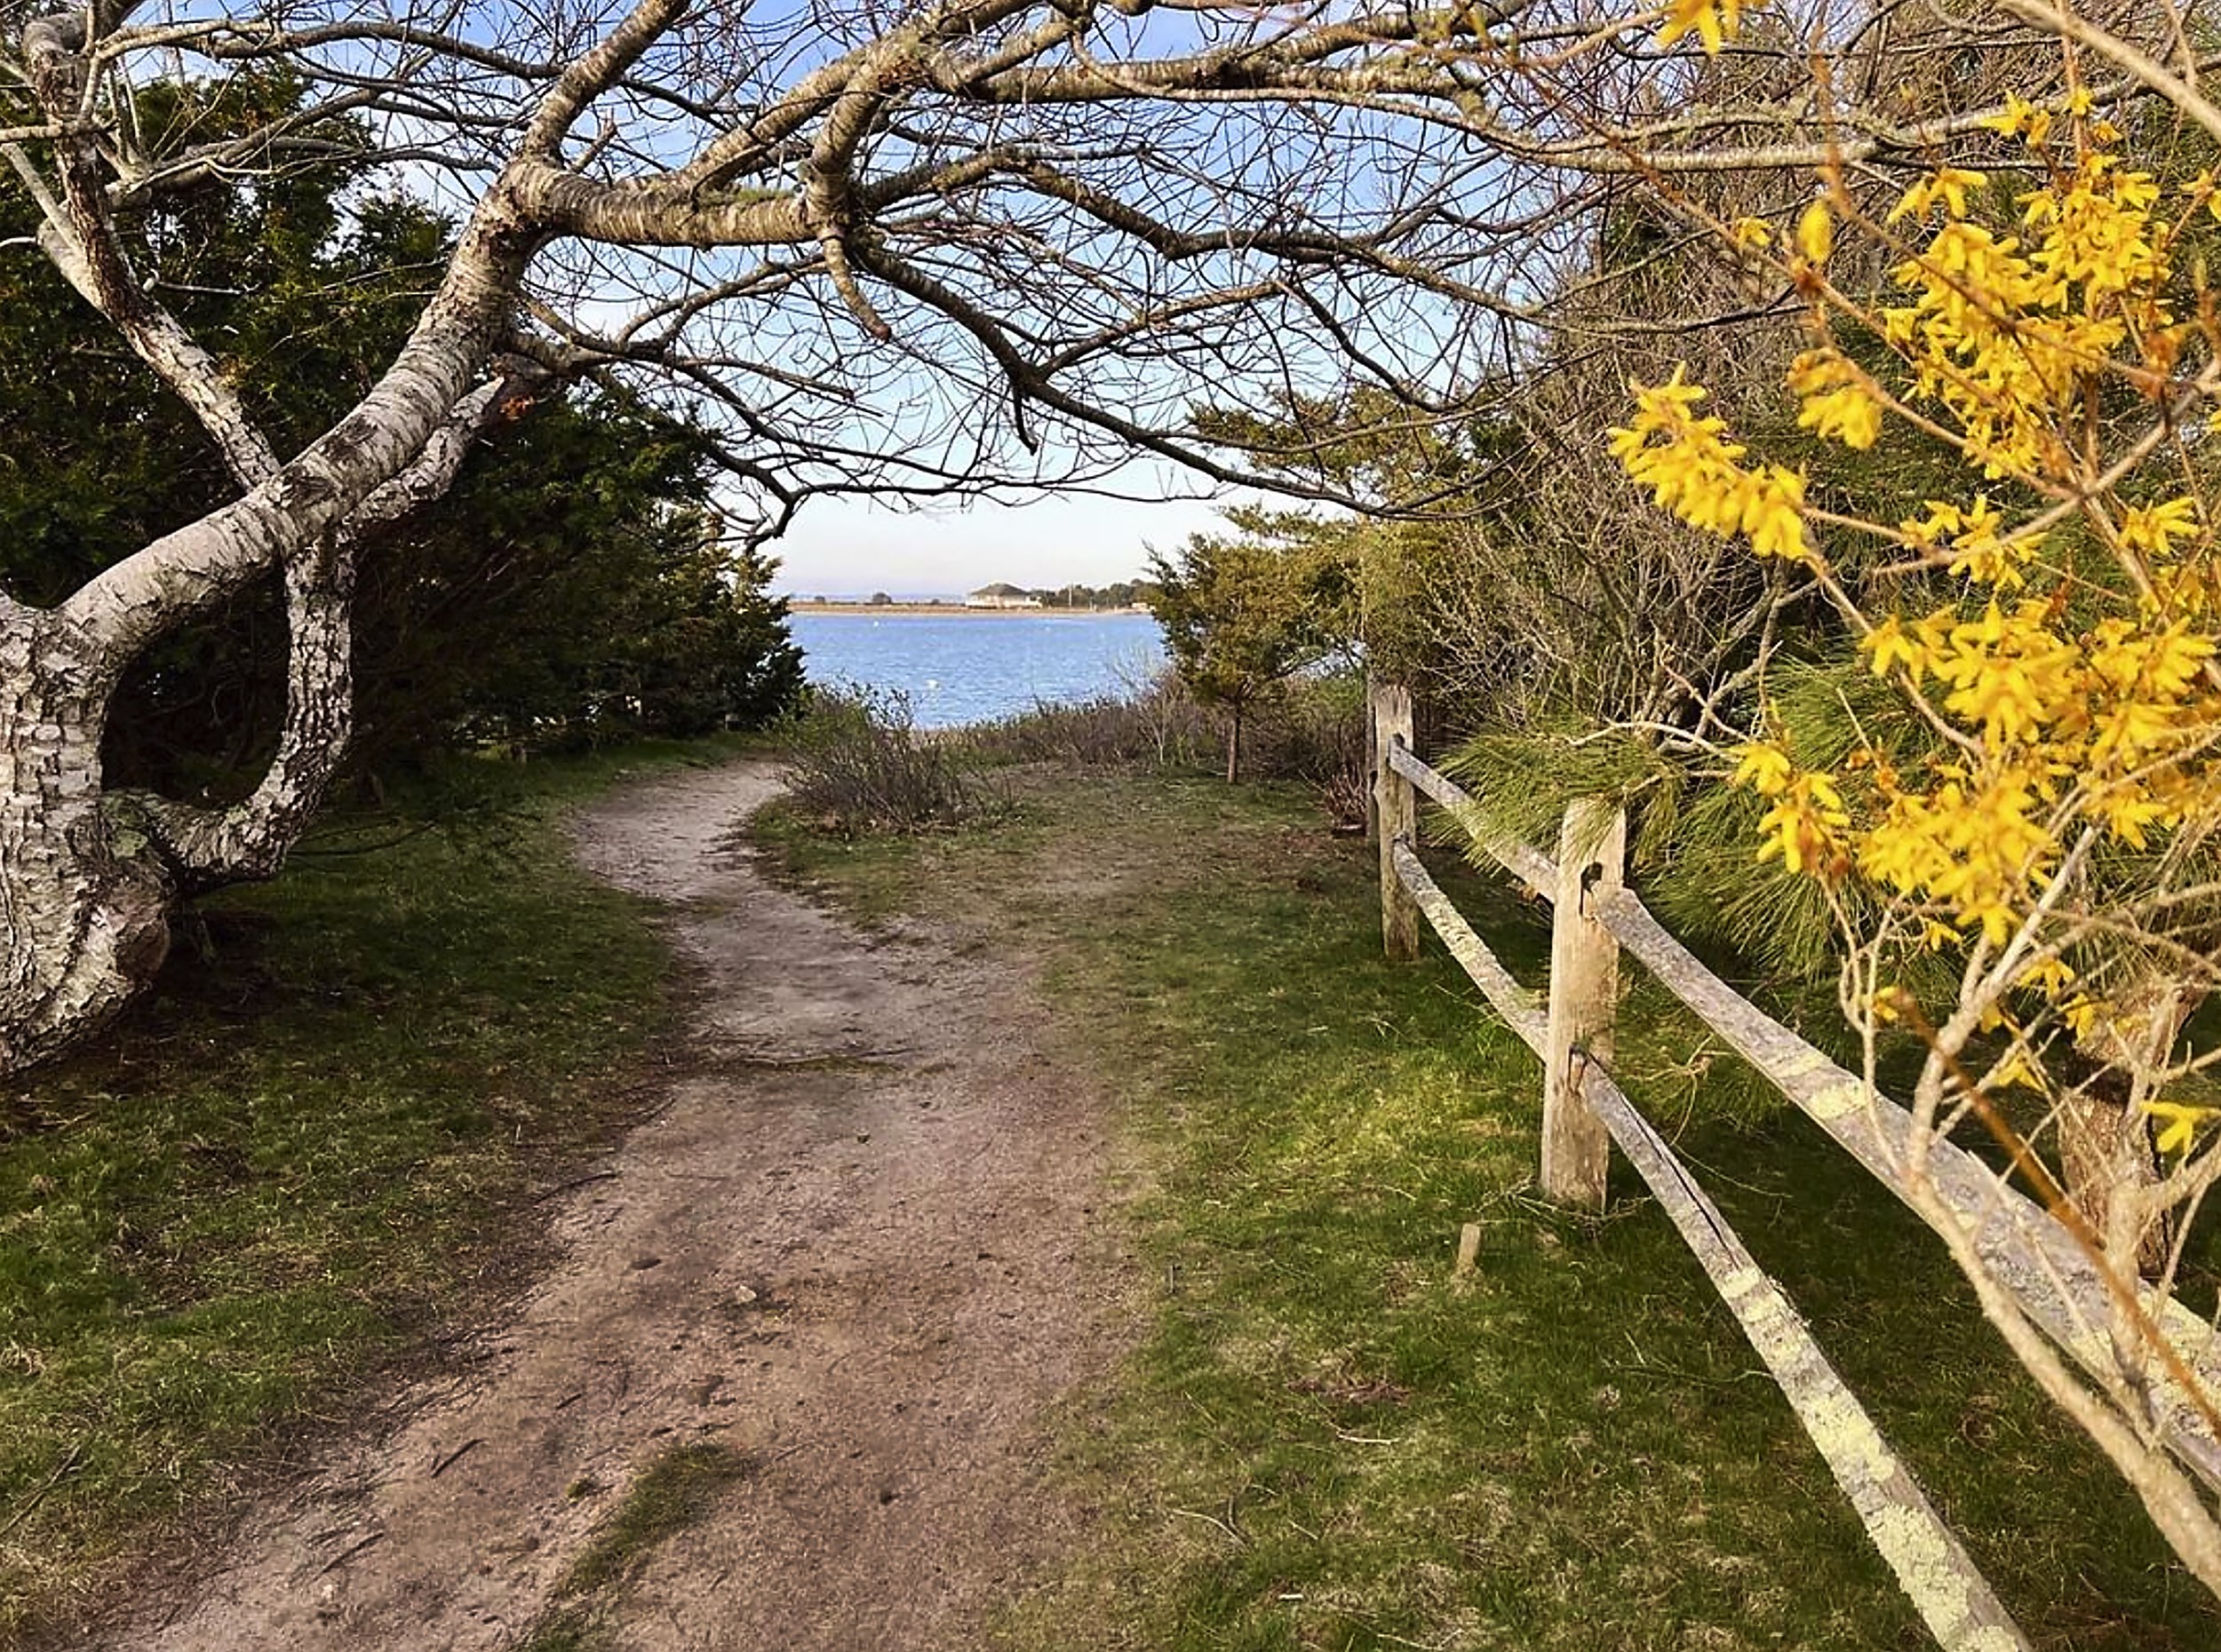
1241, 616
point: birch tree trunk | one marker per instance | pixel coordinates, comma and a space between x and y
88, 877
86, 906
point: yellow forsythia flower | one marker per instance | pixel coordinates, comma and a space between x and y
2156, 530
1711, 20
1816, 233
1889, 645
1692, 470
1804, 826
1773, 513
1763, 766
1948, 183
1837, 401
2020, 116
2181, 1120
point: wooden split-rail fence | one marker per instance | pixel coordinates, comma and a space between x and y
2029, 1253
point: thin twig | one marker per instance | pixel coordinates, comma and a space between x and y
22, 1513
350, 1551
453, 1457
577, 1181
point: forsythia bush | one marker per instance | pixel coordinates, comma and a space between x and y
2055, 623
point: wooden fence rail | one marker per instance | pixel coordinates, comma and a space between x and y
1934, 1569
2055, 1282
2058, 1286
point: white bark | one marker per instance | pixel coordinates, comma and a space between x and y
84, 917
87, 878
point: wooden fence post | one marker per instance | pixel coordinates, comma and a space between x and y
1584, 994
1398, 805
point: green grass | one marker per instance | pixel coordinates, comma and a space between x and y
671, 1493
678, 1488
314, 1151
1325, 1440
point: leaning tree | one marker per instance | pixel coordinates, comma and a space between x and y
921, 248
969, 242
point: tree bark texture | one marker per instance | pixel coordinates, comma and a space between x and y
87, 878
2107, 1157
85, 907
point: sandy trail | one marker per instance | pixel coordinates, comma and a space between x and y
848, 1246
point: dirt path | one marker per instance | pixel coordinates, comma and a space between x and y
847, 1247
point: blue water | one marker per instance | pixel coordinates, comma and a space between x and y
967, 670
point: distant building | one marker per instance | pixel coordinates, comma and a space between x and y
999, 595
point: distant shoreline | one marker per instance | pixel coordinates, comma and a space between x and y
950, 610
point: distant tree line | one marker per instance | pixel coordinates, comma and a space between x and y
1123, 593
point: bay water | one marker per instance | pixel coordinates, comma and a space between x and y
970, 668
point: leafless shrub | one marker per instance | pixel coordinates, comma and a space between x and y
1313, 732
858, 762
1156, 726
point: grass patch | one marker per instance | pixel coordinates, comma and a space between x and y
316, 1146
575, 1629
679, 1488
671, 1493
1324, 1440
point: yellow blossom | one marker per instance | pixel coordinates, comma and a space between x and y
1805, 826
1713, 21
1838, 402
1692, 469
1762, 767
2082, 1013
1816, 233
2181, 1120
2155, 531
1947, 185
1890, 645
1772, 512
2020, 117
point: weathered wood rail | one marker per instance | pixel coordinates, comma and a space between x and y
2060, 1288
